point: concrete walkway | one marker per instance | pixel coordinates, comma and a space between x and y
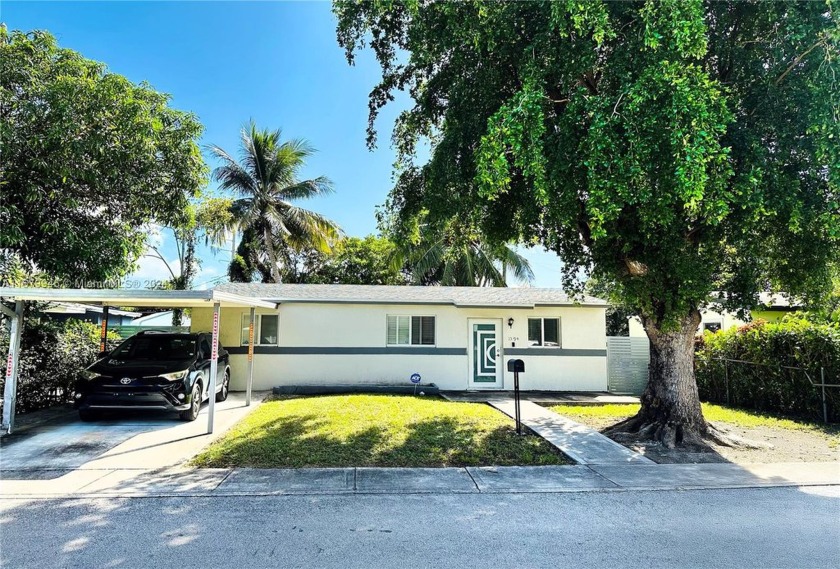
582, 444
211, 482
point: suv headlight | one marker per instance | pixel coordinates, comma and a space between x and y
175, 376
89, 375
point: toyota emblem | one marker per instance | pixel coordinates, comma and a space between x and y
125, 380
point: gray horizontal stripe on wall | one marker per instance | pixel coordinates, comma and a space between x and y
554, 352
328, 351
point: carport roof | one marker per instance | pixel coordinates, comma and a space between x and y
130, 297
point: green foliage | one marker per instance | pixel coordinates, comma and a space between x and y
12, 271
239, 270
449, 251
794, 342
89, 159
351, 261
266, 181
669, 148
213, 215
53, 356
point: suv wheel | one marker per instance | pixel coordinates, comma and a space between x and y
191, 414
223, 394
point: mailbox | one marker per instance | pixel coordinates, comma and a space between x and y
517, 367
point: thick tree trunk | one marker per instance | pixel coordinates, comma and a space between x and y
670, 411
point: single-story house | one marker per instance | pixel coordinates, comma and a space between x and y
774, 307
63, 311
459, 338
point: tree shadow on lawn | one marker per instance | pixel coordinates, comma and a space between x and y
448, 442
293, 442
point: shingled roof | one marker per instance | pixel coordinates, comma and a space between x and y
374, 294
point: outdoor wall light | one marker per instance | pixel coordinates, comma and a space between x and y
510, 322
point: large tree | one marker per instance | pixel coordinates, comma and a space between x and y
668, 148
265, 181
88, 160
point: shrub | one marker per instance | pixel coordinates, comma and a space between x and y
53, 356
766, 383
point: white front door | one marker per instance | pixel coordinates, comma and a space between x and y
485, 354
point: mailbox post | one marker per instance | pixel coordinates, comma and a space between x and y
516, 366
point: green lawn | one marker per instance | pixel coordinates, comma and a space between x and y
601, 414
375, 430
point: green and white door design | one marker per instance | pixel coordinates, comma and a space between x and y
485, 354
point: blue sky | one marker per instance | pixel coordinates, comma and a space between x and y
228, 62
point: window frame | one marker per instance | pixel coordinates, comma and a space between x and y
245, 323
410, 317
542, 320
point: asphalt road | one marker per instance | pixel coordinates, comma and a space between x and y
766, 528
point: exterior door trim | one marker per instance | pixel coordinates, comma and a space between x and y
498, 383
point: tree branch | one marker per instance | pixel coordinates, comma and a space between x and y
159, 256
796, 61
590, 83
583, 225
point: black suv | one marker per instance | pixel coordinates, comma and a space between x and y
154, 370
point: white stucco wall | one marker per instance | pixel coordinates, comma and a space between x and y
580, 364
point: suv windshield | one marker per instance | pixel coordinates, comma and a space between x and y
150, 347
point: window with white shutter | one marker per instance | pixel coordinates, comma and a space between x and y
410, 330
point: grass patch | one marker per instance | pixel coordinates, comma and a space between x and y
714, 413
375, 430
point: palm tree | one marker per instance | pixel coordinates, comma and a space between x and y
455, 255
266, 180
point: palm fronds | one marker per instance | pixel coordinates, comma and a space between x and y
265, 179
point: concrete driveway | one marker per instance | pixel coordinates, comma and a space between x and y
66, 446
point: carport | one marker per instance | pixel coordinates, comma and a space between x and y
123, 297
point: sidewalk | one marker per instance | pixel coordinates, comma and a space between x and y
582, 444
512, 479
151, 464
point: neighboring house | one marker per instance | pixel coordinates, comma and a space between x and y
159, 319
63, 311
775, 306
456, 337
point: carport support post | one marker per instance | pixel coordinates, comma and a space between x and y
103, 334
10, 391
214, 368
250, 357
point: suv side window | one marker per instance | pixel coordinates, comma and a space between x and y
206, 352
